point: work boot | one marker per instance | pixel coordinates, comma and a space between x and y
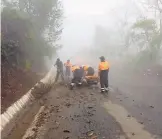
102, 90
72, 84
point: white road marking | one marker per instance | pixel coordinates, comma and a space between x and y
130, 125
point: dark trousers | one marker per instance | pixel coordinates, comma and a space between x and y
59, 73
90, 71
77, 76
104, 78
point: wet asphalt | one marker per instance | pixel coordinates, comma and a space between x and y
141, 96
79, 114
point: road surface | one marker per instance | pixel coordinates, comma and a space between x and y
131, 110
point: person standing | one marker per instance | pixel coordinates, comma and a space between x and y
59, 66
103, 70
67, 68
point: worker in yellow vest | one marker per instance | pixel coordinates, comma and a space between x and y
103, 70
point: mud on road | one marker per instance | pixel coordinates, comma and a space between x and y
75, 114
131, 110
85, 113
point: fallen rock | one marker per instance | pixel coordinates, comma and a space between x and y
34, 129
66, 131
128, 115
90, 107
133, 134
77, 115
90, 114
68, 104
141, 123
151, 106
90, 133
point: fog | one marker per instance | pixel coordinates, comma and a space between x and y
99, 27
87, 29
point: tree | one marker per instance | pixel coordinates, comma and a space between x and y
31, 28
146, 36
156, 7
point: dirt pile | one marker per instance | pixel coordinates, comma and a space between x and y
15, 82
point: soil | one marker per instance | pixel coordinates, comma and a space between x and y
15, 82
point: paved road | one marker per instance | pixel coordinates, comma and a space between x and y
141, 95
77, 114
85, 113
131, 110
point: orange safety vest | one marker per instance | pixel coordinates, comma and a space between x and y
68, 64
73, 68
103, 66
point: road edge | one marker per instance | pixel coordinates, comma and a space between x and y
15, 112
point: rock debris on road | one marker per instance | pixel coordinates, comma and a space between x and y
77, 114
86, 114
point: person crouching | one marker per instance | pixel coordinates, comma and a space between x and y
77, 76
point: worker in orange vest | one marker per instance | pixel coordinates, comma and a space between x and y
67, 68
103, 70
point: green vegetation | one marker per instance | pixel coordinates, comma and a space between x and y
147, 37
30, 30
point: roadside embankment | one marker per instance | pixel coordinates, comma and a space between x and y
19, 110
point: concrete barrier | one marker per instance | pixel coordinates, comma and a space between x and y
14, 112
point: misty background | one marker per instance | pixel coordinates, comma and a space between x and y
95, 28
34, 33
127, 31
